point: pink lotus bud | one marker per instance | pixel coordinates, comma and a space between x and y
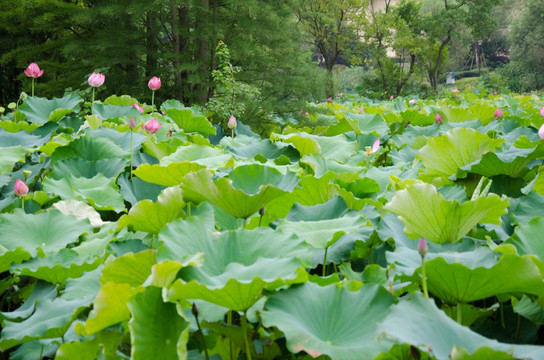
412, 102
306, 114
422, 247
20, 188
361, 110
438, 118
152, 126
33, 71
498, 114
132, 123
542, 111
340, 94
495, 93
96, 79
391, 97
139, 108
154, 83
376, 146
541, 132
232, 122
454, 91
329, 100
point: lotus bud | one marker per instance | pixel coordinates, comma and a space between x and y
154, 83
391, 97
541, 132
20, 188
495, 93
438, 118
138, 107
422, 247
542, 111
361, 110
152, 126
132, 124
96, 79
232, 122
33, 71
329, 100
306, 114
375, 146
27, 173
194, 310
412, 102
454, 91
340, 94
498, 114
261, 211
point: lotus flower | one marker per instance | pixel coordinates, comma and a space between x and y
152, 126
361, 110
454, 91
20, 188
541, 132
438, 118
132, 123
154, 83
375, 146
96, 79
495, 93
412, 102
422, 247
232, 122
329, 100
498, 114
33, 71
340, 94
391, 97
542, 111
139, 108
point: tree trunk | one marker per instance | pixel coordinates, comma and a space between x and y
151, 45
445, 42
213, 59
203, 52
176, 49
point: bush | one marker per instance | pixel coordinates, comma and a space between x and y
519, 78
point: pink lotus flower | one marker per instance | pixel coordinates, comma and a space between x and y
96, 79
541, 132
438, 118
542, 111
391, 97
139, 108
232, 122
422, 247
329, 100
361, 110
340, 94
20, 188
412, 102
306, 114
33, 71
154, 83
151, 126
375, 146
495, 93
132, 123
454, 91
498, 114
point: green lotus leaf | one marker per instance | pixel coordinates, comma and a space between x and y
462, 277
132, 269
9, 156
323, 233
238, 265
104, 344
150, 216
51, 319
84, 287
137, 190
42, 290
110, 308
46, 232
112, 112
424, 212
165, 337
528, 238
250, 178
21, 138
169, 175
14, 127
56, 268
125, 100
443, 156
417, 321
483, 112
417, 118
303, 143
265, 148
456, 114
360, 124
121, 139
80, 211
530, 309
334, 208
198, 186
7, 257
210, 157
100, 192
330, 320
41, 110
189, 122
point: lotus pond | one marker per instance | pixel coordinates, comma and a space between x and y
187, 243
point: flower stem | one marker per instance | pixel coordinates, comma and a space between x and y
32, 86
23, 203
131, 155
232, 137
459, 314
152, 98
92, 101
424, 278
244, 331
325, 262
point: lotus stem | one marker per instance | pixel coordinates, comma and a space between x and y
195, 314
229, 322
459, 314
244, 331
41, 352
324, 273
131, 155
153, 98
188, 209
424, 278
23, 203
233, 137
92, 99
32, 86
501, 307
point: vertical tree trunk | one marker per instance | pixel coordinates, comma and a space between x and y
213, 59
203, 50
151, 45
176, 49
445, 42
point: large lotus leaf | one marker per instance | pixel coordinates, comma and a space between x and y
250, 178
110, 308
323, 233
21, 138
210, 157
150, 216
57, 267
100, 192
483, 111
528, 238
526, 208
424, 212
186, 120
164, 337
48, 231
14, 127
42, 290
419, 322
169, 175
238, 265
332, 209
330, 320
265, 148
84, 287
80, 210
134, 190
303, 143
121, 139
456, 114
443, 156
198, 186
41, 110
470, 276
9, 156
361, 124
106, 112
51, 319
131, 268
